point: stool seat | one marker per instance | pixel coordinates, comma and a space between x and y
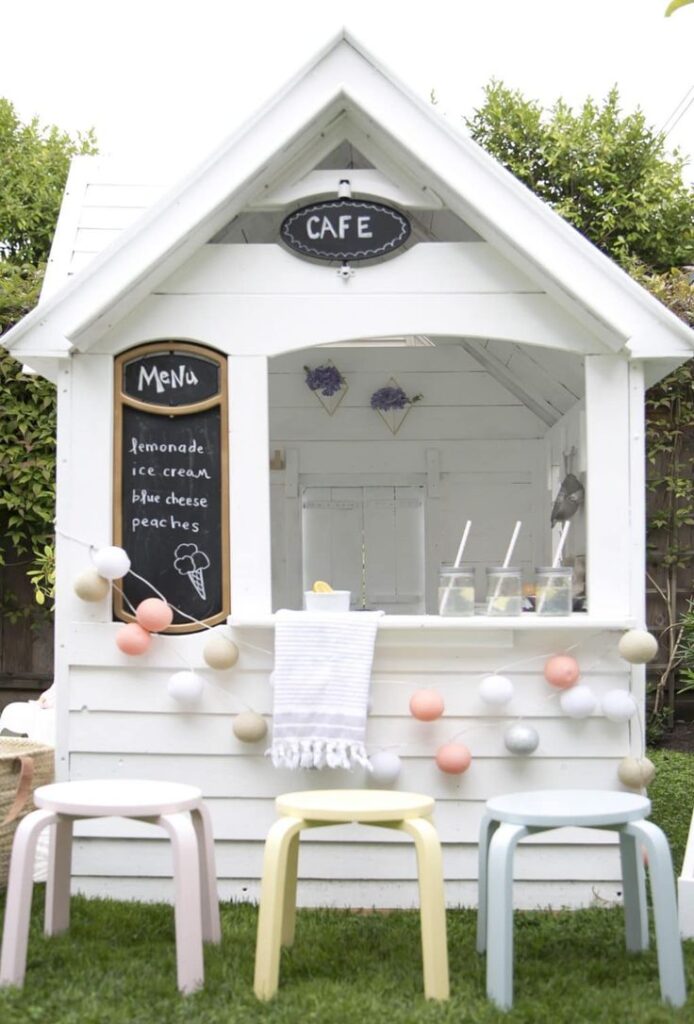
556, 808
178, 809
512, 817
355, 805
406, 812
96, 798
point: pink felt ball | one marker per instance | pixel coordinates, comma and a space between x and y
154, 614
133, 639
426, 705
453, 758
562, 671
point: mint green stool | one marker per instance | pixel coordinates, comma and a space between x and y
510, 818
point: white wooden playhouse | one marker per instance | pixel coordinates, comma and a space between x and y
531, 352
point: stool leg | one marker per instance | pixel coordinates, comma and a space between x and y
211, 926
188, 911
634, 886
289, 911
500, 914
273, 905
488, 827
432, 906
15, 936
57, 913
667, 932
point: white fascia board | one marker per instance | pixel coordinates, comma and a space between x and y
524, 228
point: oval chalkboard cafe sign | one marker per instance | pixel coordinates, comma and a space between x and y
171, 489
345, 229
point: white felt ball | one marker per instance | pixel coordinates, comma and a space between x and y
521, 738
578, 702
219, 652
185, 687
89, 586
636, 772
496, 690
111, 563
249, 727
618, 706
385, 768
638, 647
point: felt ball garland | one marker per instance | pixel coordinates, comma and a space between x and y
385, 768
426, 705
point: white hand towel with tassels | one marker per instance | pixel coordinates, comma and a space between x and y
321, 682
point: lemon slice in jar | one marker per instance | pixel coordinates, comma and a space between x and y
321, 587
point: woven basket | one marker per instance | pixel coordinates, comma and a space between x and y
24, 765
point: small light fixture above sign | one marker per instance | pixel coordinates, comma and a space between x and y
345, 229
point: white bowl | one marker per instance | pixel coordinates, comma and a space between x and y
332, 601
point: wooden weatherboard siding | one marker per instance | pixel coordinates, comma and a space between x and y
123, 723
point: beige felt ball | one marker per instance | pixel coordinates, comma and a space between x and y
636, 772
638, 647
219, 652
249, 727
89, 586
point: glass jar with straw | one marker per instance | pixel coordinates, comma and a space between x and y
504, 584
553, 583
457, 583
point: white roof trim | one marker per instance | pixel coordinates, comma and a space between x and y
344, 82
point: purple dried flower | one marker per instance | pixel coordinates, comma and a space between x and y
391, 398
326, 378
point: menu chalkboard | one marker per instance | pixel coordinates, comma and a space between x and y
171, 506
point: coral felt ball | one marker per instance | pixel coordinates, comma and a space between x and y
219, 652
111, 563
154, 614
249, 727
453, 758
426, 705
185, 687
133, 639
89, 586
638, 646
562, 671
385, 768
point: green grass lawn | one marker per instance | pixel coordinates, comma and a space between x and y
117, 965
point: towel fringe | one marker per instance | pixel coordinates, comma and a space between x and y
317, 753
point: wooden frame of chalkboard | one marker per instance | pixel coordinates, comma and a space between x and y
171, 480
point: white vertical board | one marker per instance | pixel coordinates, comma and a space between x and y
394, 548
332, 539
249, 485
608, 495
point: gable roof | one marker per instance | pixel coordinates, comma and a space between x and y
345, 93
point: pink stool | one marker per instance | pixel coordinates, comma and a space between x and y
180, 811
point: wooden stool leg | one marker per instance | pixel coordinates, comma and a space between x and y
670, 963
189, 956
289, 911
432, 906
211, 926
273, 905
500, 913
15, 936
57, 913
488, 827
634, 886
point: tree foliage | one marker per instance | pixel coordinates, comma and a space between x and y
34, 163
605, 172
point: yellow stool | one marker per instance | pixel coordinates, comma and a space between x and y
409, 812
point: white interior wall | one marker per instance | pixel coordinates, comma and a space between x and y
470, 446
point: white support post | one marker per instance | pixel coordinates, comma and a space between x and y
608, 491
249, 485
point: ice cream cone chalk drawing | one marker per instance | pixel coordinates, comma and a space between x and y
465, 599
190, 561
503, 591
